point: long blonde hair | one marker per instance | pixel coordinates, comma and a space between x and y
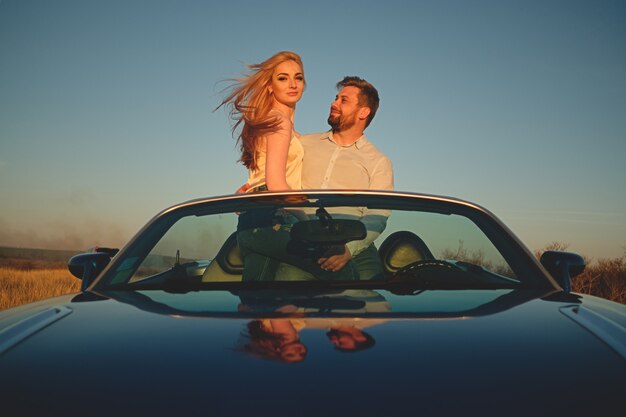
250, 102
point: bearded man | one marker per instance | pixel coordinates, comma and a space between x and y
343, 158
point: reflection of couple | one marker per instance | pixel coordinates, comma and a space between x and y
263, 106
279, 339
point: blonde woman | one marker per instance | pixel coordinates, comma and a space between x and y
263, 104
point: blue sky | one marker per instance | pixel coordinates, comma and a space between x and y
106, 107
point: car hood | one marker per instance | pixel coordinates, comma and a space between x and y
442, 352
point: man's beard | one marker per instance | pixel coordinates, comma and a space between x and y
339, 123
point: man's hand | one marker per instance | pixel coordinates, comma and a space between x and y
243, 189
334, 263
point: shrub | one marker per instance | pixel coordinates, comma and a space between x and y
604, 278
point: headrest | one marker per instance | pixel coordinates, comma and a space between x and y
401, 249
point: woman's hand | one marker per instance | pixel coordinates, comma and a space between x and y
243, 189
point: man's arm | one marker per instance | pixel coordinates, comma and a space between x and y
381, 177
375, 221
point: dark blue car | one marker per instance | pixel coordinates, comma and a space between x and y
222, 307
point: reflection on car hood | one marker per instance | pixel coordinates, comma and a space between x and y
440, 352
241, 303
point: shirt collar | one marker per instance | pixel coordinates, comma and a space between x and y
360, 142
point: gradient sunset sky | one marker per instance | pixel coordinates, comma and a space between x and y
106, 107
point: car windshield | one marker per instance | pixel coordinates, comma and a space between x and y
323, 239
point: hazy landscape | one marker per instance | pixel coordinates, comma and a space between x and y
28, 275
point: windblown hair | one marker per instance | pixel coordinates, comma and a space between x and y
249, 103
358, 345
368, 95
263, 344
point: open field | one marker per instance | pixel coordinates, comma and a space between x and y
28, 275
28, 259
18, 286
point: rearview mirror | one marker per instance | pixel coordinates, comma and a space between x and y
329, 232
323, 238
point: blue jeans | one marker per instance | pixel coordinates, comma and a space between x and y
368, 264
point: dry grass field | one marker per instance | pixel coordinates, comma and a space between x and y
22, 286
30, 275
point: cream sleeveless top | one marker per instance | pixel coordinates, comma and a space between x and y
293, 171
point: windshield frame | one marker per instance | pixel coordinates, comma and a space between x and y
519, 258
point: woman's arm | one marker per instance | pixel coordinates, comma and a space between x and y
276, 160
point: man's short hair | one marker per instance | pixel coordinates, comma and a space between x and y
358, 345
368, 95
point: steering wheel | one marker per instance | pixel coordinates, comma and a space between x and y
430, 273
423, 265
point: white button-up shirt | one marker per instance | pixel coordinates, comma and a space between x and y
360, 166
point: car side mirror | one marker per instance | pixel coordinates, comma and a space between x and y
87, 266
563, 266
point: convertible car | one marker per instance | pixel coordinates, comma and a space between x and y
320, 303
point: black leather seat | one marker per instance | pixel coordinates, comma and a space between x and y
401, 249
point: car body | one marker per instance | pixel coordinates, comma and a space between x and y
463, 319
